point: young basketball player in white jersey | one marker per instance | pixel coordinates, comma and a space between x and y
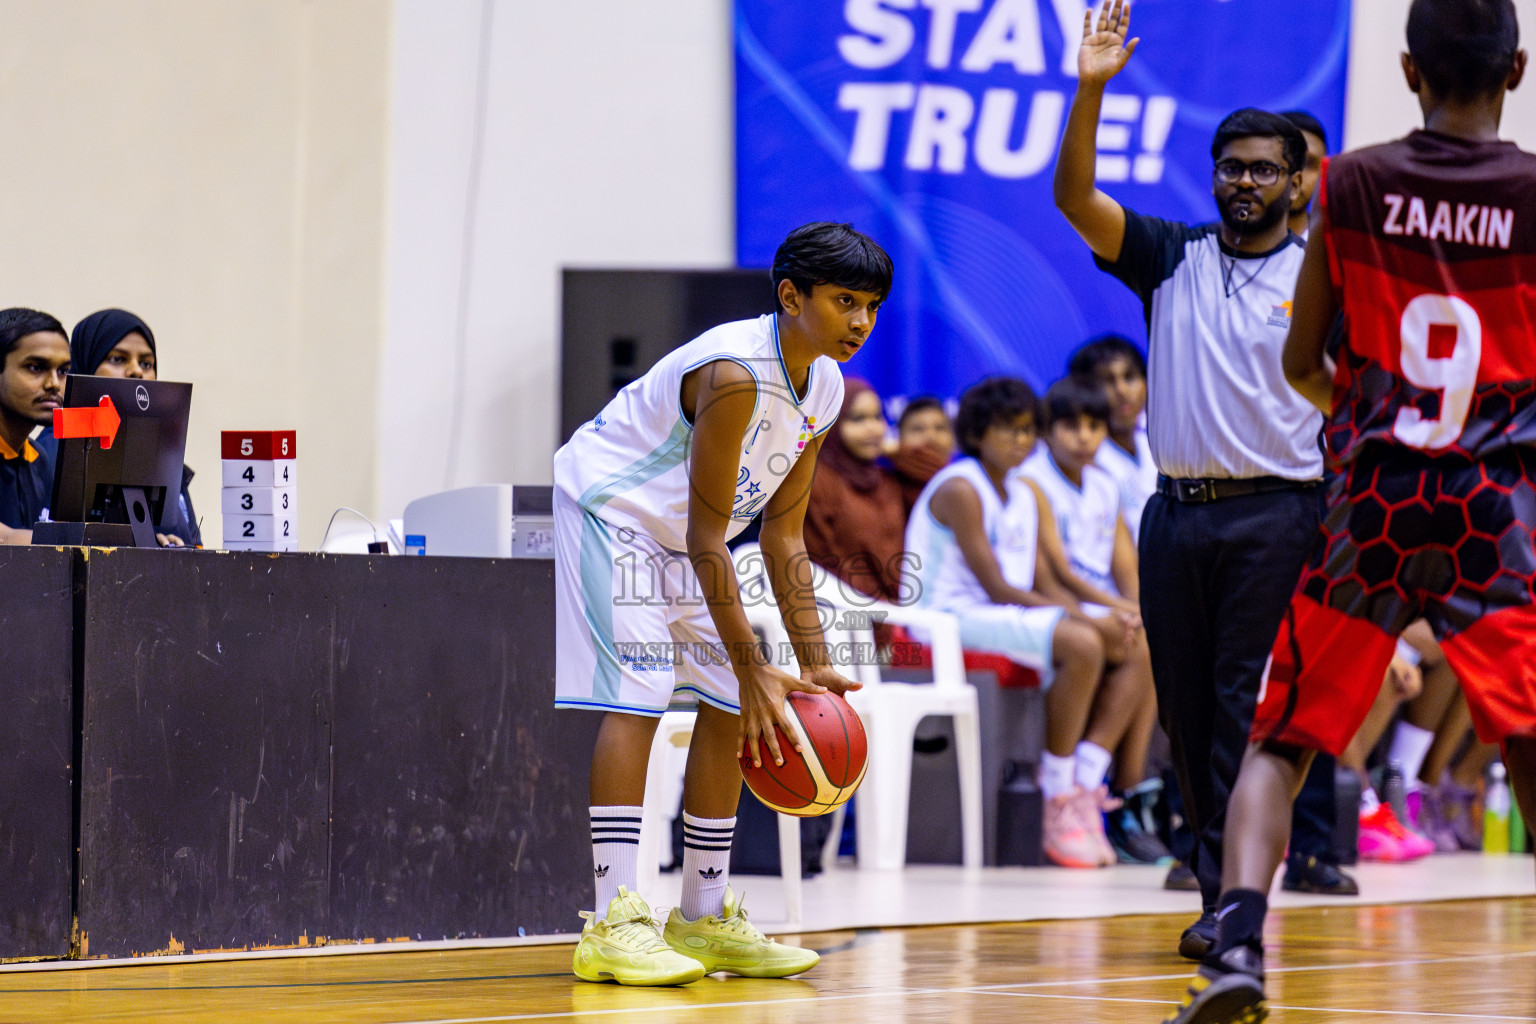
647, 606
982, 548
1117, 365
1084, 495
1086, 501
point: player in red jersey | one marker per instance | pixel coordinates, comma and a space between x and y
1427, 246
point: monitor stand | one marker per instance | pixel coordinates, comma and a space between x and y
137, 532
138, 517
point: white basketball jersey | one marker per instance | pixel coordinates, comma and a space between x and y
1086, 516
629, 464
945, 579
1136, 476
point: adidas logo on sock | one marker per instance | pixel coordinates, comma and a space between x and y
710, 873
602, 870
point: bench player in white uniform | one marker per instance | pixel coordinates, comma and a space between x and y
1086, 502
647, 607
982, 549
1120, 369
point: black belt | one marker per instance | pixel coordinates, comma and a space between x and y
1199, 490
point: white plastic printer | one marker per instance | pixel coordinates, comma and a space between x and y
487, 521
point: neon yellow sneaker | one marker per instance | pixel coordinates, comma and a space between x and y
731, 943
626, 947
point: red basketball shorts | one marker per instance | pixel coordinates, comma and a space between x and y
1406, 537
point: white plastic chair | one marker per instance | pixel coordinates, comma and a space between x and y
891, 712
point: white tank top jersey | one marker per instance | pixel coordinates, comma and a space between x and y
629, 464
1086, 517
945, 579
1137, 477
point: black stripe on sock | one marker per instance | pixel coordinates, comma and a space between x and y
617, 842
700, 846
690, 827
633, 830
621, 820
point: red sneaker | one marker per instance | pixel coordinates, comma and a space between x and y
1384, 838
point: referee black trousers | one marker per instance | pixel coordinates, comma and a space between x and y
1215, 582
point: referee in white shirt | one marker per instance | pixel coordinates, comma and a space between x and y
1239, 498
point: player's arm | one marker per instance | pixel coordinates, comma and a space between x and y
1305, 358
1053, 555
1118, 628
11, 535
789, 572
1103, 52
957, 505
722, 396
1124, 564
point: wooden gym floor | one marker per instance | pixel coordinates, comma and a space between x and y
1410, 963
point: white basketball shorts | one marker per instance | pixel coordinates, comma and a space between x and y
632, 631
1022, 635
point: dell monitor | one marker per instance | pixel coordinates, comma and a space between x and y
136, 480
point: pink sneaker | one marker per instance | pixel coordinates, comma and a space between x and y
1095, 803
1383, 838
1067, 840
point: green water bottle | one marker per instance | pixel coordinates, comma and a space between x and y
1496, 804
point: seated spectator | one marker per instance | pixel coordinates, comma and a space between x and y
1098, 549
1121, 370
115, 343
1434, 727
854, 520
925, 442
34, 358
983, 544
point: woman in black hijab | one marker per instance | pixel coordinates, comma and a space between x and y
115, 343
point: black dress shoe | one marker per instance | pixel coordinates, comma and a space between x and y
1181, 878
1199, 937
1308, 874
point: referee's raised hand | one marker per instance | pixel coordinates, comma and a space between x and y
1104, 50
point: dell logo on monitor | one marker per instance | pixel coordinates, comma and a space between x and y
142, 394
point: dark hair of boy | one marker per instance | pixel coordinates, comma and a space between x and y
1072, 398
1465, 49
1307, 123
18, 322
1251, 122
922, 403
835, 254
995, 400
1103, 349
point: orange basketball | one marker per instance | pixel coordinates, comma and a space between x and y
822, 776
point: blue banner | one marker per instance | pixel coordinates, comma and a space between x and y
933, 125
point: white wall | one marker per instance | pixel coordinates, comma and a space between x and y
607, 142
218, 169
1379, 106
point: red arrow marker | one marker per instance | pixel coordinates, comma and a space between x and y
101, 422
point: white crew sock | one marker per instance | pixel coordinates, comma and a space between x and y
1092, 765
615, 851
706, 865
1410, 745
1057, 774
1369, 801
